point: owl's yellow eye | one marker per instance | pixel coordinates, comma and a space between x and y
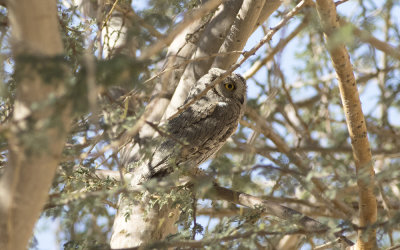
229, 86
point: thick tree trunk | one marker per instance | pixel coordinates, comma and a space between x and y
37, 135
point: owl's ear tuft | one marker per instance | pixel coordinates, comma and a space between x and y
241, 78
216, 71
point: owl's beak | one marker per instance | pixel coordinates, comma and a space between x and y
241, 100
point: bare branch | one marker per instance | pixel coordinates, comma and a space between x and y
319, 187
282, 43
308, 224
365, 36
355, 123
190, 17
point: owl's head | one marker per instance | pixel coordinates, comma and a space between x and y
233, 87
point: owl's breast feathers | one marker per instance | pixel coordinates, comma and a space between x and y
195, 135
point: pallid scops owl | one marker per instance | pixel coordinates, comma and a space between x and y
202, 129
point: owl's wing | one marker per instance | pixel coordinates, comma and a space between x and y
203, 127
194, 136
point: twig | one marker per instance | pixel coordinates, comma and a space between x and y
365, 36
319, 187
109, 15
395, 247
327, 245
186, 62
308, 224
189, 18
131, 13
166, 135
337, 3
282, 43
75, 196
194, 207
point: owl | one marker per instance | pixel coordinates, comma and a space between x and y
202, 129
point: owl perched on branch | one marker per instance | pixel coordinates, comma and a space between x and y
202, 129
188, 139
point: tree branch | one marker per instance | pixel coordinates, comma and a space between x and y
239, 32
282, 43
365, 36
355, 123
190, 17
319, 187
217, 192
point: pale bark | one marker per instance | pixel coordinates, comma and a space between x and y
269, 206
355, 123
37, 136
239, 33
140, 226
113, 23
289, 241
180, 50
209, 43
269, 7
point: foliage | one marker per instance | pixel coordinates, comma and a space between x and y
306, 113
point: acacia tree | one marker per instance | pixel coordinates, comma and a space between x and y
295, 173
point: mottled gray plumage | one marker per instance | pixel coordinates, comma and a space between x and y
201, 130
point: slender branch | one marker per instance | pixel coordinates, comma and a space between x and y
395, 247
327, 245
319, 187
367, 37
258, 64
308, 224
189, 18
394, 153
269, 207
82, 195
131, 13
109, 15
355, 123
